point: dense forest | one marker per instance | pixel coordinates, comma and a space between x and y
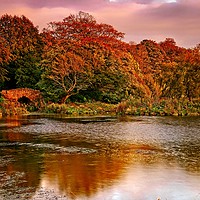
80, 60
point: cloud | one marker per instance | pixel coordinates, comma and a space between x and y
138, 19
132, 1
158, 21
180, 20
39, 4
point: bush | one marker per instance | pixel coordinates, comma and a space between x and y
161, 107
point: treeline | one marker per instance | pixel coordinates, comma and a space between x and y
78, 59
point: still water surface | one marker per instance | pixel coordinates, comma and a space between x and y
100, 158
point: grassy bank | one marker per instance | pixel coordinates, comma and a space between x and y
165, 107
139, 107
95, 108
162, 107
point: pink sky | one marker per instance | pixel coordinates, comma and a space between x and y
138, 19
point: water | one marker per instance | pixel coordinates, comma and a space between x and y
100, 158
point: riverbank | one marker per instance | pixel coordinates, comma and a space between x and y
167, 107
139, 108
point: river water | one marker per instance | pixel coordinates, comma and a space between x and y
99, 158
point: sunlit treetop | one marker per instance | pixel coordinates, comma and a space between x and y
82, 27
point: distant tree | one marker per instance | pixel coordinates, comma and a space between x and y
24, 42
4, 58
182, 73
152, 59
171, 49
191, 62
82, 28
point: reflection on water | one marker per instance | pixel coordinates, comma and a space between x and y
132, 158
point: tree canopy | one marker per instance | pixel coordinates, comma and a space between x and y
80, 59
23, 46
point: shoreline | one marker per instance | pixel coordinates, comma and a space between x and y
99, 108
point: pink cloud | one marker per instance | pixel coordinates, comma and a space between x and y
138, 19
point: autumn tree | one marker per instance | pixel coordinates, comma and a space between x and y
109, 79
82, 28
98, 45
24, 43
4, 58
65, 72
191, 73
182, 73
152, 60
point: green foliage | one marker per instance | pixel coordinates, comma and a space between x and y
93, 108
109, 86
88, 95
28, 72
51, 93
80, 60
163, 107
1, 99
4, 59
23, 51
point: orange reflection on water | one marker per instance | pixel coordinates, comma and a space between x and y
80, 175
86, 175
12, 122
16, 137
12, 136
98, 177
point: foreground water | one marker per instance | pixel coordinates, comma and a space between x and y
100, 158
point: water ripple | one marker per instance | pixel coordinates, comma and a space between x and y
51, 147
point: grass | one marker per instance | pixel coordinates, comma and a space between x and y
138, 107
162, 107
94, 108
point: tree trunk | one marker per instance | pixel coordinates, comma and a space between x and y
63, 100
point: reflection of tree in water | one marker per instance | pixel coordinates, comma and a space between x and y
20, 167
78, 176
73, 175
16, 137
19, 173
84, 175
13, 121
30, 165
